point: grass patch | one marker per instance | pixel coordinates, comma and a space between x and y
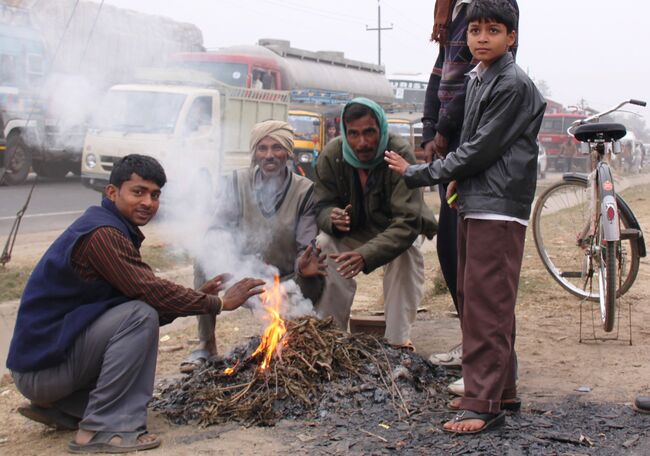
12, 281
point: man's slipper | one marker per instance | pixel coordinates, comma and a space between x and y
510, 405
642, 404
101, 443
195, 360
490, 421
51, 417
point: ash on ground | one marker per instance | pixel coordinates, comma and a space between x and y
336, 393
321, 370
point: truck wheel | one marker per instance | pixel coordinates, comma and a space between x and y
54, 170
17, 160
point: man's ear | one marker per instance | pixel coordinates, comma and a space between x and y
111, 192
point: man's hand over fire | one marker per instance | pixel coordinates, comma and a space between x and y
241, 292
396, 162
351, 263
341, 218
215, 285
312, 262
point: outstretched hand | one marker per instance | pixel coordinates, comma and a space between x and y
215, 284
396, 162
312, 262
351, 263
241, 292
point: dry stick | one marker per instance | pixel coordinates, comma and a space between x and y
374, 435
394, 384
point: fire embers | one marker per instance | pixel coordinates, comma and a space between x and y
321, 369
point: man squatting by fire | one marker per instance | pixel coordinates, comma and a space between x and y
274, 211
494, 172
85, 343
369, 218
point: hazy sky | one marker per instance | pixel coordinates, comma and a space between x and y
591, 49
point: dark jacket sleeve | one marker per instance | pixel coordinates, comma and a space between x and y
326, 190
406, 222
431, 100
498, 129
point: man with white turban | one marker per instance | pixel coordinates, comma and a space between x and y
274, 210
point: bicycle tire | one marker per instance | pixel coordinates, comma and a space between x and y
558, 214
608, 265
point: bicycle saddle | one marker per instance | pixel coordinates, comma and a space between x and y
600, 131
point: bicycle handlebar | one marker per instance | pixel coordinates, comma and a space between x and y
597, 116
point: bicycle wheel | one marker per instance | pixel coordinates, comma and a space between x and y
560, 217
607, 283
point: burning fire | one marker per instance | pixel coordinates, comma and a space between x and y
272, 299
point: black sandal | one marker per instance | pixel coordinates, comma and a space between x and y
491, 421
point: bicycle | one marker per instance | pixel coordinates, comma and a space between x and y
584, 230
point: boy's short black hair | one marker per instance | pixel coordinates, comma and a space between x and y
499, 11
147, 168
355, 111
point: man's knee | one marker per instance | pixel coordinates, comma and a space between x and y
145, 315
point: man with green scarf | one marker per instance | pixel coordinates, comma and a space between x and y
368, 218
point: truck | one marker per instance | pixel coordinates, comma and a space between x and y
54, 67
188, 121
319, 82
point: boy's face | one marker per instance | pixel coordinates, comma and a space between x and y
489, 40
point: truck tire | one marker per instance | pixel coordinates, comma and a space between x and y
55, 170
17, 160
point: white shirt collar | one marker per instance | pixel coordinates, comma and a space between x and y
477, 72
457, 7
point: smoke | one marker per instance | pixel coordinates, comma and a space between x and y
201, 219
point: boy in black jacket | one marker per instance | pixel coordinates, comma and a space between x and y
493, 175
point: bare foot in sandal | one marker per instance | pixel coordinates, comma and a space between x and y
112, 442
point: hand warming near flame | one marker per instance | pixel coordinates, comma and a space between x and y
396, 162
215, 285
241, 292
351, 263
312, 263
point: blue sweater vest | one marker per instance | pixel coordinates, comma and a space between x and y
57, 304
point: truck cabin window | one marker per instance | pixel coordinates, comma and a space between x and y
200, 115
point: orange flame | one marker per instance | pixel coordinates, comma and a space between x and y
231, 370
272, 299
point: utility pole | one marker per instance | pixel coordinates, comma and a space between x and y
379, 29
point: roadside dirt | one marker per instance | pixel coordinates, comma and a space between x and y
553, 363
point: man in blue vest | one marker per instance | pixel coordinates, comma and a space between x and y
85, 343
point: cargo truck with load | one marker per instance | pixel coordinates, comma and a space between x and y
186, 120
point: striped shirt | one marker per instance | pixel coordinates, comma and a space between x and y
107, 254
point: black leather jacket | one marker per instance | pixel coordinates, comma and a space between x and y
496, 163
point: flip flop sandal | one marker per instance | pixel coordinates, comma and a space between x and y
195, 360
51, 417
511, 405
491, 421
101, 443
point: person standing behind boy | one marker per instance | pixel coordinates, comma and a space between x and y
442, 122
495, 168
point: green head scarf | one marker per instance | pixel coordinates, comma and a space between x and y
348, 154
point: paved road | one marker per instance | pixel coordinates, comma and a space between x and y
54, 205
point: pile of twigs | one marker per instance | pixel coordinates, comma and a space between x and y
316, 359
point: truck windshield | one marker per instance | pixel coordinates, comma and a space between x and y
139, 112
552, 125
234, 74
305, 128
